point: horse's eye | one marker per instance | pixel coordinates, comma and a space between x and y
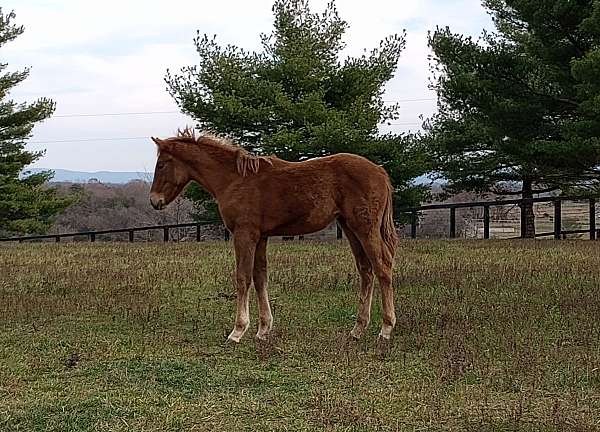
161, 165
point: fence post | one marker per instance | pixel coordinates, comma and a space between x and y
92, 237
198, 232
166, 234
452, 222
592, 219
523, 219
486, 222
130, 236
226, 234
413, 224
57, 239
557, 219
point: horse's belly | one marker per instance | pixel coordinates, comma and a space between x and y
297, 229
297, 222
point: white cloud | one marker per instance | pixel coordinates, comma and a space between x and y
111, 56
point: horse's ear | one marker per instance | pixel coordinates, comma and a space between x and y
163, 145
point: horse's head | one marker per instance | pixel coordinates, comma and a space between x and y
170, 175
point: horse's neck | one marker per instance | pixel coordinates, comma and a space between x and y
214, 172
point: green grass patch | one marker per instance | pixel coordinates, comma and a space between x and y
491, 336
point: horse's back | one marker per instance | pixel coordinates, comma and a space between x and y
339, 164
327, 178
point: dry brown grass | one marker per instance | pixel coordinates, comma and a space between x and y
491, 336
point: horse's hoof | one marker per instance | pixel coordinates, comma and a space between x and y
354, 336
261, 337
383, 345
383, 340
385, 333
356, 333
232, 339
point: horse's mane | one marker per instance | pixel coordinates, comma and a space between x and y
245, 162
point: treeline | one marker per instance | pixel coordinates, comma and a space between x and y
101, 206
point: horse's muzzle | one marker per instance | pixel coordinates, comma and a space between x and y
157, 202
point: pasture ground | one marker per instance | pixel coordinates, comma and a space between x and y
491, 336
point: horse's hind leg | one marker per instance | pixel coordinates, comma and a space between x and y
244, 243
260, 284
366, 282
382, 259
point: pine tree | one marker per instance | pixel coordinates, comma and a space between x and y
518, 109
27, 205
295, 99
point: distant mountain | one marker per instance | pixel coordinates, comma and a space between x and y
61, 175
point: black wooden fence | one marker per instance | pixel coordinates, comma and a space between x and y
91, 235
558, 232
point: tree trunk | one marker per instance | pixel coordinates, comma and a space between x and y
528, 216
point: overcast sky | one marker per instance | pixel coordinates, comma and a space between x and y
110, 57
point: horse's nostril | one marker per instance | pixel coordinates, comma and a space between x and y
157, 202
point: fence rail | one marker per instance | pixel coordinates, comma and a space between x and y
558, 232
130, 230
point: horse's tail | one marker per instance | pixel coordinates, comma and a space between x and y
388, 230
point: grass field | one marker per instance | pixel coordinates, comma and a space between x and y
491, 336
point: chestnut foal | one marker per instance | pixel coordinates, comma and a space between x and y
260, 197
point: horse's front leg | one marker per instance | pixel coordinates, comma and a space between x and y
244, 242
260, 284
